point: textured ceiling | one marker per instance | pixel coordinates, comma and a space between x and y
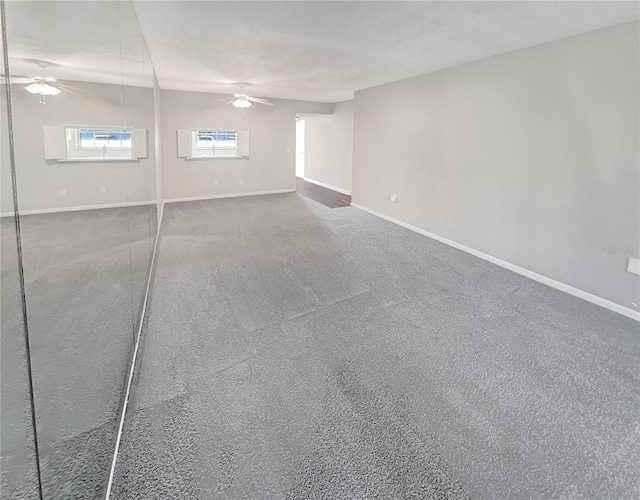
324, 51
80, 40
319, 51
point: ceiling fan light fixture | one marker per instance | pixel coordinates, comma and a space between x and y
42, 89
242, 103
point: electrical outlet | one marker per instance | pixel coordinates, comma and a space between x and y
63, 192
393, 198
103, 189
215, 182
241, 181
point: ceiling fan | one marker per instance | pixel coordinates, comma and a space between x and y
244, 101
42, 86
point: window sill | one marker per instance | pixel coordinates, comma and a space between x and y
90, 160
215, 157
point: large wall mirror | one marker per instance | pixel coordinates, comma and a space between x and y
81, 95
17, 445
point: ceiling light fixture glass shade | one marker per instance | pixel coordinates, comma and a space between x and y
42, 89
242, 103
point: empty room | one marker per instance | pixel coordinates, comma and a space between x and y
320, 250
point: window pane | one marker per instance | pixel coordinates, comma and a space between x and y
97, 138
225, 139
113, 140
215, 143
125, 138
101, 137
204, 140
86, 138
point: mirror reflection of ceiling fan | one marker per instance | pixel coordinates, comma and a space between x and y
42, 86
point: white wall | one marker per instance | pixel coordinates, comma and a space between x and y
531, 157
157, 135
328, 147
6, 191
40, 181
300, 148
271, 166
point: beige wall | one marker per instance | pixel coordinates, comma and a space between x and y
531, 157
40, 181
157, 134
271, 166
328, 141
6, 190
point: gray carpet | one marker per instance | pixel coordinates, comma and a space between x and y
85, 273
17, 458
294, 351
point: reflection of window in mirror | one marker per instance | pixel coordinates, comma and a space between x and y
96, 138
213, 143
94, 143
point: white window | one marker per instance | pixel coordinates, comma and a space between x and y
204, 143
99, 143
98, 138
80, 143
214, 143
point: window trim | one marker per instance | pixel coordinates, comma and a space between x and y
79, 130
59, 145
217, 131
74, 152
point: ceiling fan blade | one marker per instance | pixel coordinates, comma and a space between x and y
18, 79
239, 96
219, 103
259, 100
67, 87
74, 93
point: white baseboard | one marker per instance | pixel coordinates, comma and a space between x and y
340, 190
79, 208
230, 195
613, 306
